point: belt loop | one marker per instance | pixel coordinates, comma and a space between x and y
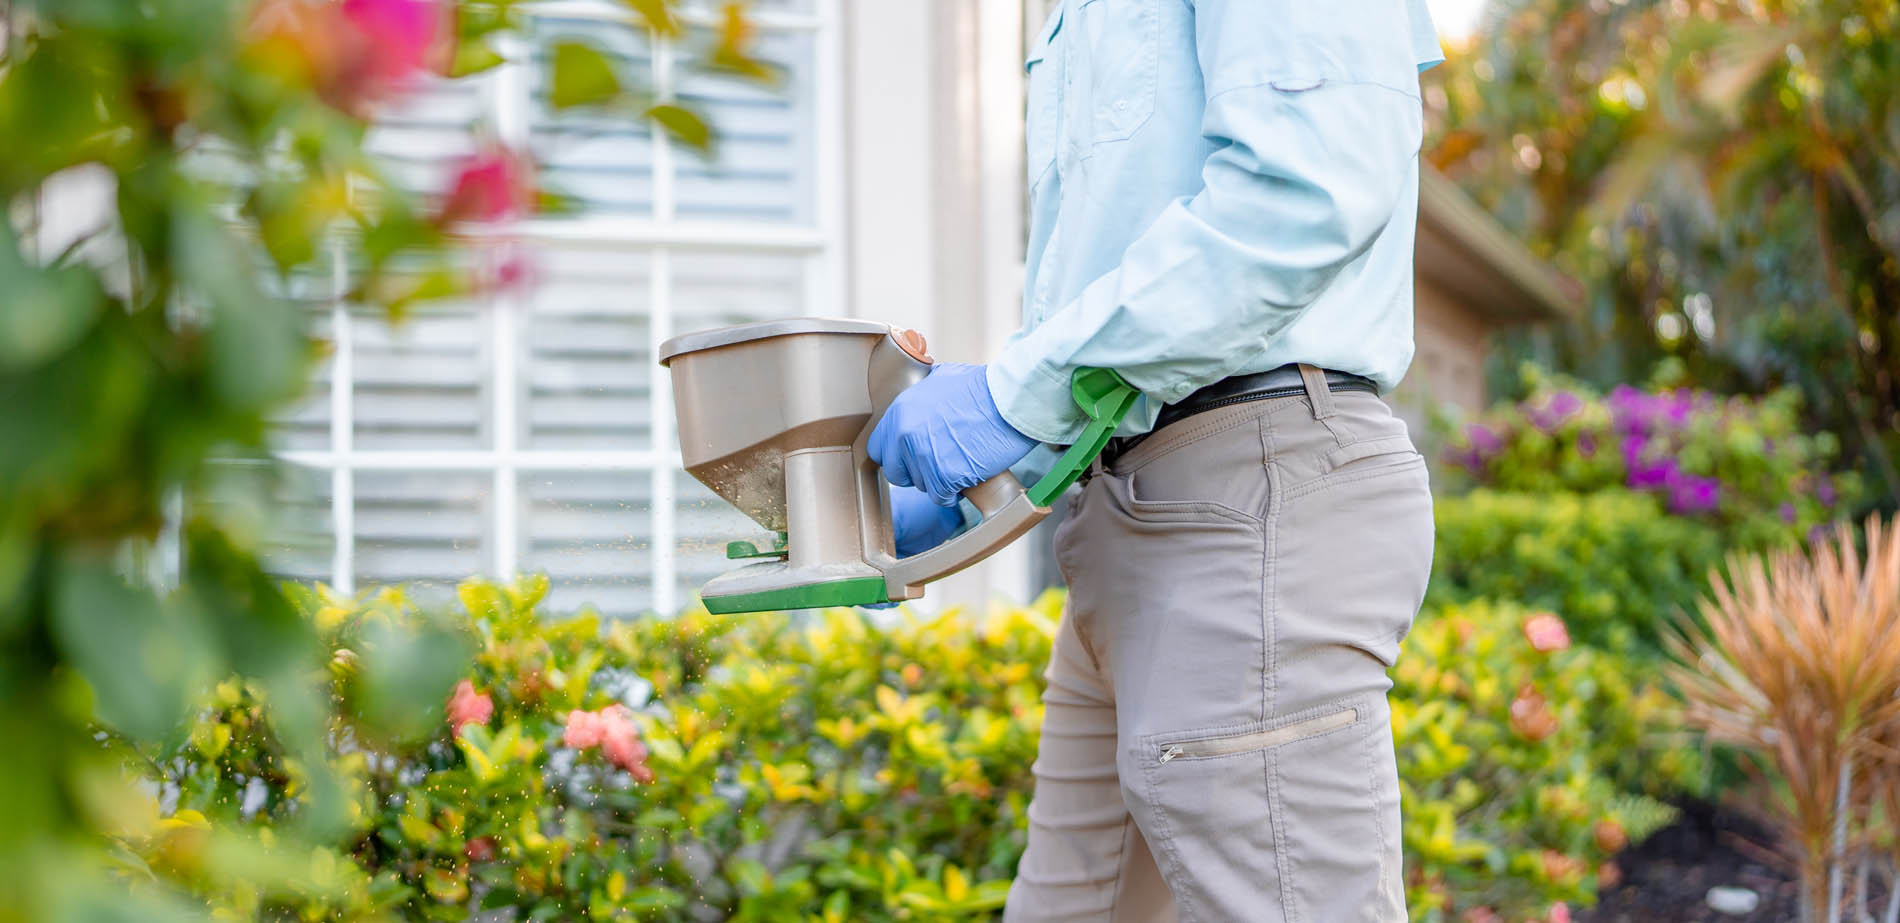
1317, 392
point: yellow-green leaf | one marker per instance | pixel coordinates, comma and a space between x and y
683, 125
473, 58
656, 15
211, 739
955, 886
582, 75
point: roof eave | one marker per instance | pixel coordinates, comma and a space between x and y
1465, 251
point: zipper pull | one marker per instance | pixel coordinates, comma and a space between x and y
1171, 753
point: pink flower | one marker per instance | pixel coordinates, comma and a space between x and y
353, 54
399, 37
480, 849
624, 749
489, 186
1560, 912
466, 706
613, 731
1610, 835
512, 272
584, 729
1531, 715
1546, 632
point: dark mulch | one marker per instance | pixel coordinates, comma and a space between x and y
1668, 876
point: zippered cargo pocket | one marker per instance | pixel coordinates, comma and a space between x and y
1292, 820
1257, 740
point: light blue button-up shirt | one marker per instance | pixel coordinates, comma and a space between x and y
1216, 187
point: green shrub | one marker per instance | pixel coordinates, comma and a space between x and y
835, 767
1614, 562
1510, 744
819, 768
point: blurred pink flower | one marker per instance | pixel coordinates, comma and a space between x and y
480, 849
399, 39
1546, 632
584, 729
1531, 715
491, 185
511, 272
1560, 912
625, 750
356, 53
613, 731
466, 706
1610, 835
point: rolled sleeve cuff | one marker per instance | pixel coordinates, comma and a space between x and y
1033, 398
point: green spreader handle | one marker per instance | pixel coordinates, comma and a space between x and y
1008, 508
1105, 398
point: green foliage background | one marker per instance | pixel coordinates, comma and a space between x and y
1736, 161
837, 767
230, 159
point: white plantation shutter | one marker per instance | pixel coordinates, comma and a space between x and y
591, 533
601, 163
420, 138
585, 350
715, 289
420, 527
762, 167
302, 542
705, 522
421, 383
531, 430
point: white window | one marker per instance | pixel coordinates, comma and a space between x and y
532, 430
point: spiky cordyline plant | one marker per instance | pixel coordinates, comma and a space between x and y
1798, 663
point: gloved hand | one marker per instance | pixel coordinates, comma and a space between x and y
919, 523
944, 434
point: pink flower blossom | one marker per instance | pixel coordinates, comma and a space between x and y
356, 53
584, 729
625, 750
399, 37
613, 731
512, 272
1531, 716
1560, 912
489, 186
466, 706
1546, 632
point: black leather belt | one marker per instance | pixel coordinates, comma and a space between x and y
1284, 381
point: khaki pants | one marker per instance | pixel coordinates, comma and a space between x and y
1216, 744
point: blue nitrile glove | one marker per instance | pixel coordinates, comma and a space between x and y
919, 523
944, 434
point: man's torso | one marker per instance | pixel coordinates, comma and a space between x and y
1115, 109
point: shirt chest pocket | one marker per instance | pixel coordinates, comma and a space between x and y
1111, 83
1043, 67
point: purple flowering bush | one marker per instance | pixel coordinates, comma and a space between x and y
1740, 464
1613, 509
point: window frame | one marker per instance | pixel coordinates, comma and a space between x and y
820, 244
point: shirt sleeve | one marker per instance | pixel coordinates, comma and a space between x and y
1313, 112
